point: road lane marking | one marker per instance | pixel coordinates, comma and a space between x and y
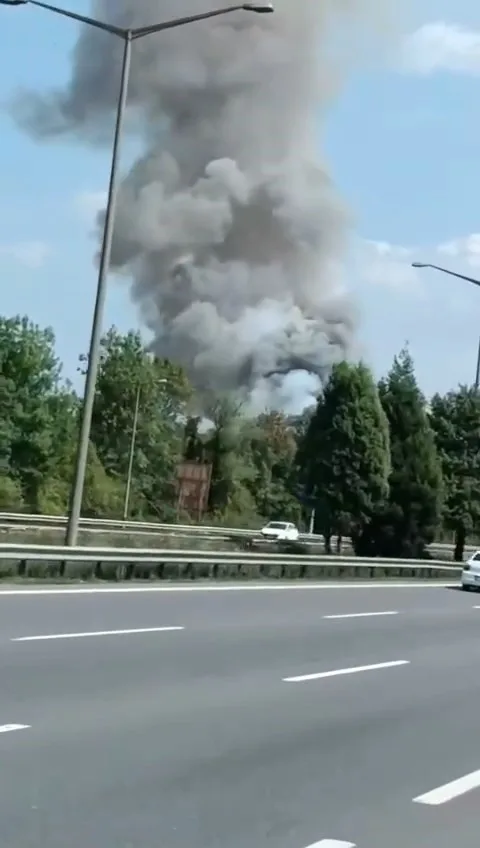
450, 790
274, 587
95, 633
8, 728
361, 614
302, 678
332, 843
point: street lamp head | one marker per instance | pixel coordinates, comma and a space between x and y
13, 2
419, 265
259, 8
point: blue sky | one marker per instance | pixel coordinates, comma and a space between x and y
403, 145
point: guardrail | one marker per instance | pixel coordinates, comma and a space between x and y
8, 519
13, 518
129, 563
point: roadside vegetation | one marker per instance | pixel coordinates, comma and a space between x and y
380, 465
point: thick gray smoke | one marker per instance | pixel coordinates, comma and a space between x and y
228, 223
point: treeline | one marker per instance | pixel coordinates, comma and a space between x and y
375, 461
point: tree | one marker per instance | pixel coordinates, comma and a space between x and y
368, 458
29, 376
455, 419
344, 455
55, 490
408, 523
11, 498
227, 449
127, 368
273, 449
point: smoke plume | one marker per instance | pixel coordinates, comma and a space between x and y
228, 223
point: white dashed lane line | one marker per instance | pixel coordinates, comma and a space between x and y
9, 728
450, 791
85, 635
332, 843
338, 672
361, 614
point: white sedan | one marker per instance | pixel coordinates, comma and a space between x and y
471, 573
280, 531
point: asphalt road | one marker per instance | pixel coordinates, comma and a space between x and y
282, 718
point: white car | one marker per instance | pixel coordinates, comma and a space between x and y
471, 573
280, 531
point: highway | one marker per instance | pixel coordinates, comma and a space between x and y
240, 717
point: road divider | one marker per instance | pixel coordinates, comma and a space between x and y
37, 522
19, 519
58, 561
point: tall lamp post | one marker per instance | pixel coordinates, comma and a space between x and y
133, 441
460, 277
128, 36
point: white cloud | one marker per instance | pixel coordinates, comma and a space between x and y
389, 266
467, 249
30, 254
89, 203
441, 46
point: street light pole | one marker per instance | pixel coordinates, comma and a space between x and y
446, 271
128, 36
133, 442
460, 277
132, 453
477, 373
81, 460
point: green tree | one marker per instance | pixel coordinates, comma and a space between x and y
226, 448
11, 497
409, 522
103, 493
344, 455
29, 377
273, 449
54, 493
127, 373
455, 419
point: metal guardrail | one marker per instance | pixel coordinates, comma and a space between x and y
131, 562
89, 554
9, 519
34, 521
